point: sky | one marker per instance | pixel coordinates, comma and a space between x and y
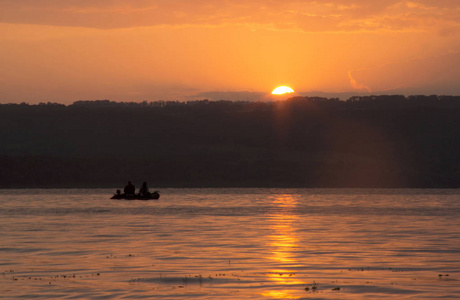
149, 50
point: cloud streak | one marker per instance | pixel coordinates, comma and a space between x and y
308, 16
357, 86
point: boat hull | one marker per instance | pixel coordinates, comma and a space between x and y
153, 196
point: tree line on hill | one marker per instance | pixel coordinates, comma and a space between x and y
374, 141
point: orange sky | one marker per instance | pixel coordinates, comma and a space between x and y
63, 51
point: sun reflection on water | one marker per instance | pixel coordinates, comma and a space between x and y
279, 295
283, 242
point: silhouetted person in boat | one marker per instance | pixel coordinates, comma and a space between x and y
130, 189
144, 190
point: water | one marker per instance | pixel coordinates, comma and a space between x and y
231, 244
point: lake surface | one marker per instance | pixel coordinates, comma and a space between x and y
231, 244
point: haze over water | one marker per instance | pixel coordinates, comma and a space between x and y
231, 244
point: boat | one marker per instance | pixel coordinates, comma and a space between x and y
153, 196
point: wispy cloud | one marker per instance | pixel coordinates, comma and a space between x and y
355, 85
309, 16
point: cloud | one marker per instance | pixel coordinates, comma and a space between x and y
309, 16
355, 85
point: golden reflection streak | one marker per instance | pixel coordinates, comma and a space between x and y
282, 243
279, 295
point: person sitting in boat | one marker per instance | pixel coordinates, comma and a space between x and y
130, 189
144, 190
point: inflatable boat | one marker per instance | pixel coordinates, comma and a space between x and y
153, 196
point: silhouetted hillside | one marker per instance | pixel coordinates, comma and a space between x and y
376, 141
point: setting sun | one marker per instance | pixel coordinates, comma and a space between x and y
282, 90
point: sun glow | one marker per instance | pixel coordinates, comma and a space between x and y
282, 90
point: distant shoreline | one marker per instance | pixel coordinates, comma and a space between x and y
304, 142
347, 97
237, 187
